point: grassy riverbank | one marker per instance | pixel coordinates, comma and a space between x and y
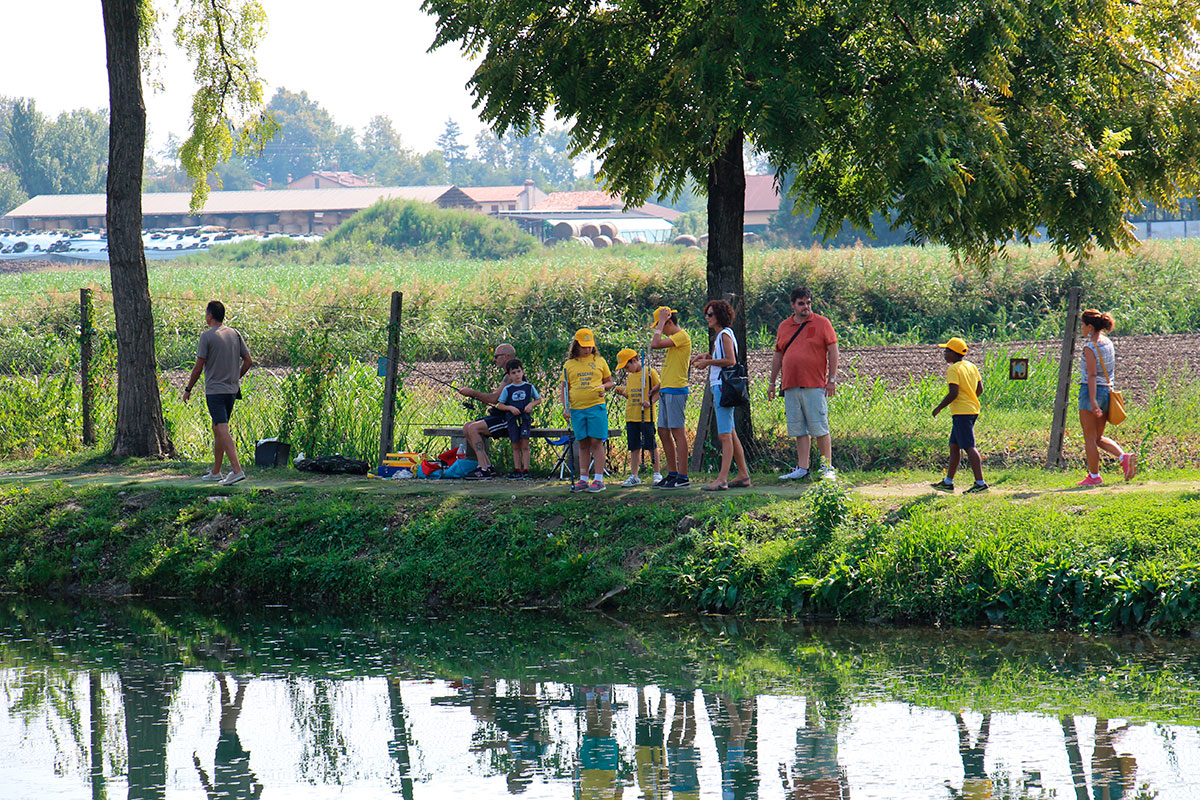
1030, 555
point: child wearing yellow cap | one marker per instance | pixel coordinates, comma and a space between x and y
965, 387
586, 377
641, 392
673, 394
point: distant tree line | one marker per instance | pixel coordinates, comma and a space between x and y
310, 139
40, 155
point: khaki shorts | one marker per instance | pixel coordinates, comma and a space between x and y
806, 410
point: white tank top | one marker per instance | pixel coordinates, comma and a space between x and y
714, 373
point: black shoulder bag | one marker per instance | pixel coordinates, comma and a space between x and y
735, 383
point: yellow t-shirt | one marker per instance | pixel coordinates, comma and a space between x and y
584, 376
676, 361
966, 377
633, 385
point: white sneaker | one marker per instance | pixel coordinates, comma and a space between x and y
829, 474
212, 476
794, 475
232, 478
657, 478
632, 480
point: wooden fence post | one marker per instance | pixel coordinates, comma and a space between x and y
702, 426
85, 364
1062, 397
387, 435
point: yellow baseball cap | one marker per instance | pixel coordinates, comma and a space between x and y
624, 356
585, 338
658, 312
957, 345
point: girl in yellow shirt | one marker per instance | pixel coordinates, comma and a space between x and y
586, 377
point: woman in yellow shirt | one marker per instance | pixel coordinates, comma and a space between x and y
586, 377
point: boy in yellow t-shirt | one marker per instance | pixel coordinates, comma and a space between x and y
962, 395
673, 394
641, 390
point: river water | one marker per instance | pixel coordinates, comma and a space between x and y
134, 701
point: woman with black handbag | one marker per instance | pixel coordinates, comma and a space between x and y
728, 391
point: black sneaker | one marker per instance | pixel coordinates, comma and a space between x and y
481, 474
515, 475
681, 482
525, 476
977, 488
942, 486
666, 483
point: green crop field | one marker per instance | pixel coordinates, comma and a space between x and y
317, 331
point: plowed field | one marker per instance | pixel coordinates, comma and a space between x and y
1141, 361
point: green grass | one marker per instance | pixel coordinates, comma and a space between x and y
1030, 557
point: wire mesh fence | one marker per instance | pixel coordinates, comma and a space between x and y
318, 385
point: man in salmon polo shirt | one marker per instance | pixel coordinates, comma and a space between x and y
806, 352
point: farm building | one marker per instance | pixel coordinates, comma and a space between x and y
297, 211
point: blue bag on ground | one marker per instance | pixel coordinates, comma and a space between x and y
460, 468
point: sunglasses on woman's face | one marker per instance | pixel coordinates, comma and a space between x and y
708, 313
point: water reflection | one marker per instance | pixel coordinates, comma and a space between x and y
156, 703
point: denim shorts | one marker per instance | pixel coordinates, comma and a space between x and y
724, 415
1085, 400
590, 423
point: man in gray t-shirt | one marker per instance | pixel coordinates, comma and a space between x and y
224, 358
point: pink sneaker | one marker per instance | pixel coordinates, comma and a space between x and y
580, 485
1129, 464
1090, 481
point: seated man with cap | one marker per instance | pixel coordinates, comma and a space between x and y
494, 423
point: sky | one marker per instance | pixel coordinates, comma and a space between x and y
369, 57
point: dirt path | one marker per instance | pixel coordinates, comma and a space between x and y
886, 489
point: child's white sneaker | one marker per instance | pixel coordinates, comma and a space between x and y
632, 480
657, 479
232, 478
797, 474
212, 476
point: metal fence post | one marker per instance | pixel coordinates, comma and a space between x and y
85, 364
387, 436
1062, 397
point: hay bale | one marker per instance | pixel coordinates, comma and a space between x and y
565, 230
609, 230
601, 241
616, 240
586, 241
685, 240
703, 240
589, 229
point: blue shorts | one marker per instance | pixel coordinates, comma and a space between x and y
962, 430
220, 406
724, 414
1085, 400
590, 423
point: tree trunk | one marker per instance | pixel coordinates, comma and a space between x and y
140, 429
726, 219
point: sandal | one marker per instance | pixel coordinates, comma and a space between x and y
714, 487
740, 483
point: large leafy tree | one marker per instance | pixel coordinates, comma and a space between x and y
219, 37
972, 123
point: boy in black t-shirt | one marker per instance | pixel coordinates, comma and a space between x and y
518, 399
